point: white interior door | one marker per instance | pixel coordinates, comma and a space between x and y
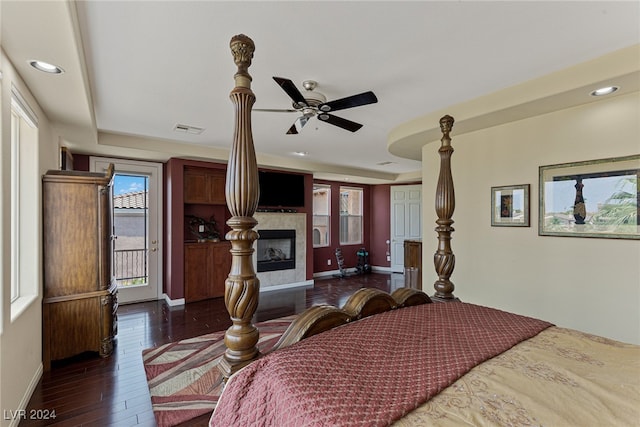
406, 219
137, 227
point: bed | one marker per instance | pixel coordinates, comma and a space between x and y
405, 358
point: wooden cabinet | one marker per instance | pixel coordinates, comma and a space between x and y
206, 267
204, 185
413, 263
206, 264
80, 297
195, 189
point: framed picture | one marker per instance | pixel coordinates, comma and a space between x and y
597, 198
510, 206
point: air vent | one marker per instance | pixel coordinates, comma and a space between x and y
188, 129
384, 163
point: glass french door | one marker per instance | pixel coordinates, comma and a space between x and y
137, 228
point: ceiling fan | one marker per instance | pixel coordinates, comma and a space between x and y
313, 103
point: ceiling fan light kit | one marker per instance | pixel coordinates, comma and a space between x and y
314, 103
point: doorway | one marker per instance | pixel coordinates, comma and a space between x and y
406, 221
136, 261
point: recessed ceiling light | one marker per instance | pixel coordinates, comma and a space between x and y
604, 91
300, 153
46, 67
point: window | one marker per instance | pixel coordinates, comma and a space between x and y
131, 227
15, 217
321, 215
350, 216
25, 196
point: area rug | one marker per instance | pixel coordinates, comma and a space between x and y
183, 376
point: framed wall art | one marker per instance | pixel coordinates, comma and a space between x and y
510, 206
597, 198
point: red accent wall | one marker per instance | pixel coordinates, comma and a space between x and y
377, 223
377, 228
174, 230
308, 209
321, 255
81, 162
380, 230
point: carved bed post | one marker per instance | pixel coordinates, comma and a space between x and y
242, 287
443, 259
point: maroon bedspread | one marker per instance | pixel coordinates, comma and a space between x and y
370, 372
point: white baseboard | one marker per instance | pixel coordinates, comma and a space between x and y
173, 302
351, 271
324, 273
328, 273
22, 406
305, 284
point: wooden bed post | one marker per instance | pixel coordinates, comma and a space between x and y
443, 259
242, 287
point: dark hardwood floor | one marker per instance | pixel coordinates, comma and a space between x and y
90, 391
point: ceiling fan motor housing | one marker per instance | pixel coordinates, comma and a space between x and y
313, 99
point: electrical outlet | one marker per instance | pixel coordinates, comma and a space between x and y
329, 262
201, 228
388, 257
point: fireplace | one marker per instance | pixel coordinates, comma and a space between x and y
276, 250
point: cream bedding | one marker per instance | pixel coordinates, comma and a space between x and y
560, 377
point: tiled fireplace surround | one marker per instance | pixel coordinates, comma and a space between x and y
282, 279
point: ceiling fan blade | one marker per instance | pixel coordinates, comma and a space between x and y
339, 121
291, 89
275, 110
349, 102
297, 126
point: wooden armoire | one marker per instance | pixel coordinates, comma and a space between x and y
80, 297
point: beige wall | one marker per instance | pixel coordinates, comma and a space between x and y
20, 339
588, 284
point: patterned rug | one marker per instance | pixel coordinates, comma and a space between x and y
183, 376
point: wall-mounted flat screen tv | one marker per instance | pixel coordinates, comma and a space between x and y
278, 189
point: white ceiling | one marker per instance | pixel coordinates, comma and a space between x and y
136, 69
